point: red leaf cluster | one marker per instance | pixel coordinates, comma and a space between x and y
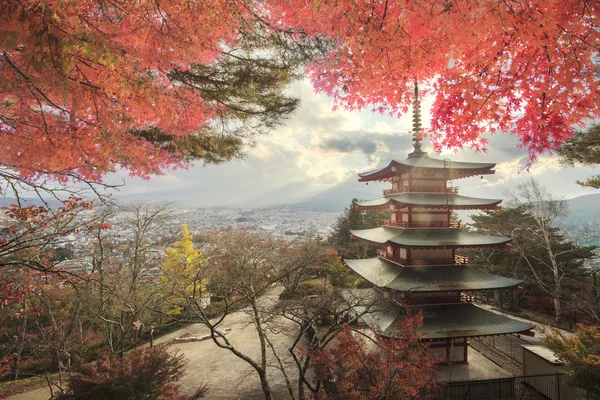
79, 76
354, 368
525, 67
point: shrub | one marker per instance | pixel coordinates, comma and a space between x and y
146, 374
340, 276
304, 289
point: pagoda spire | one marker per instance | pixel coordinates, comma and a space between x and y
417, 130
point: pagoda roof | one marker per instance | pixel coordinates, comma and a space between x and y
427, 238
448, 321
387, 274
454, 168
430, 200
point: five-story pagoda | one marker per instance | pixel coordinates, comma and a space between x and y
418, 265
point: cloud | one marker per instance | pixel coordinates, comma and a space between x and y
363, 145
318, 149
372, 145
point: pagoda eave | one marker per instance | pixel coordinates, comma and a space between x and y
450, 170
437, 207
449, 321
430, 201
427, 279
428, 238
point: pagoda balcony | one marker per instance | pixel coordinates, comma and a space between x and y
420, 224
458, 260
421, 189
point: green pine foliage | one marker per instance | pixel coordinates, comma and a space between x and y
527, 253
583, 148
341, 277
353, 219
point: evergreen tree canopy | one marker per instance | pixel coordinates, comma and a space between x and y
529, 256
353, 219
583, 148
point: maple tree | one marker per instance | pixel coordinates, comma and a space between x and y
150, 373
525, 67
32, 229
92, 86
581, 353
354, 367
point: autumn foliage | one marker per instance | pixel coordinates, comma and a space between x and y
150, 373
356, 368
582, 354
81, 78
92, 86
525, 67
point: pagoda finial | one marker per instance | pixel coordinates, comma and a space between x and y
417, 130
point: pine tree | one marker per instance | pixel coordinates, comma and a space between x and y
583, 148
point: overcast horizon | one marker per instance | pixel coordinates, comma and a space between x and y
318, 150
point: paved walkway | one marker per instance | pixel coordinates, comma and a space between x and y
40, 394
479, 367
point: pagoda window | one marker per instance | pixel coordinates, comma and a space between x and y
390, 251
402, 254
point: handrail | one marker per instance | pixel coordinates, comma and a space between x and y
426, 189
458, 260
421, 224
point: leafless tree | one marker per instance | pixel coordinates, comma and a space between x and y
546, 213
242, 269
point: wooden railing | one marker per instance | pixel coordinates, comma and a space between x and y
421, 224
421, 189
458, 260
466, 298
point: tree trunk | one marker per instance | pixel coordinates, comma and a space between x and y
557, 310
264, 383
20, 341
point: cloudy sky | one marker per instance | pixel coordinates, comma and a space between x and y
319, 150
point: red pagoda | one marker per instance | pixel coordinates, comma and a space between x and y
418, 264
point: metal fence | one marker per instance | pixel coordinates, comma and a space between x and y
552, 387
509, 345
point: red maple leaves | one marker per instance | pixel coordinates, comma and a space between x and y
528, 68
79, 76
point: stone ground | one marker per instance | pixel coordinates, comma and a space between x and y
479, 367
227, 376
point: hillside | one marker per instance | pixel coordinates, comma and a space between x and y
583, 210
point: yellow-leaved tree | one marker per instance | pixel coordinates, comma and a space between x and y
182, 270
